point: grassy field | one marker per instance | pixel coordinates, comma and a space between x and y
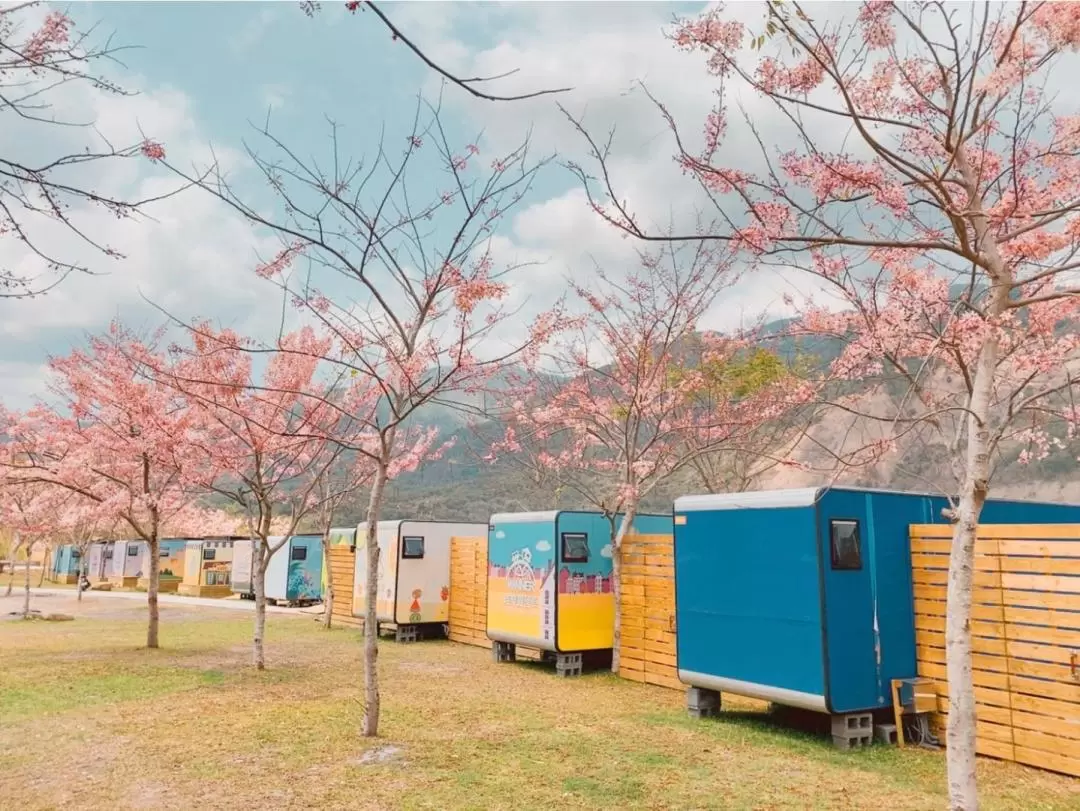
89, 720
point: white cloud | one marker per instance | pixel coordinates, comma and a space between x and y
500, 534
543, 546
606, 552
186, 254
275, 95
251, 32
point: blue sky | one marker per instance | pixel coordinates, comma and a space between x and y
205, 70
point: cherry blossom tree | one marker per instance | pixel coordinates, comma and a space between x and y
269, 441
920, 167
635, 393
115, 437
30, 509
43, 185
404, 280
80, 522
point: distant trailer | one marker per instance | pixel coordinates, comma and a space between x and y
100, 556
549, 582
127, 563
171, 555
293, 573
66, 564
414, 574
804, 597
208, 567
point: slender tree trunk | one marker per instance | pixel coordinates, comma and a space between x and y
328, 597
26, 598
960, 731
152, 594
84, 571
258, 581
961, 727
371, 622
616, 582
44, 566
11, 575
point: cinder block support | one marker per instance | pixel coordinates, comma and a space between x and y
702, 702
503, 651
568, 664
885, 733
852, 730
407, 633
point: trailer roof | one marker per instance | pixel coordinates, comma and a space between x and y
524, 518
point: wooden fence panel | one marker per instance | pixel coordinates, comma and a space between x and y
1025, 637
342, 571
468, 595
647, 628
468, 591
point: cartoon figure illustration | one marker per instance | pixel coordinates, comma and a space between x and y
414, 609
444, 594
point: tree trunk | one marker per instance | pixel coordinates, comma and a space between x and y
328, 597
152, 594
961, 729
44, 566
11, 574
371, 622
616, 582
26, 598
84, 571
258, 581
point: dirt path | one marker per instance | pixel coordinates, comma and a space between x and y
124, 603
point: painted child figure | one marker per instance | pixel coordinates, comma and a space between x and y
414, 609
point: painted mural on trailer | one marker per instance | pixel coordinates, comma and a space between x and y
305, 576
521, 583
171, 560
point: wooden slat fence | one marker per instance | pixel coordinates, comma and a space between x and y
468, 591
468, 595
1026, 637
342, 570
647, 629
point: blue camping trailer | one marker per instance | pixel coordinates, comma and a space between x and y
549, 580
293, 573
804, 597
66, 564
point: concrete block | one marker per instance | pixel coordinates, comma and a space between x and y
846, 742
854, 724
568, 664
885, 733
700, 698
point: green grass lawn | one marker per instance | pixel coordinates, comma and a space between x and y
90, 720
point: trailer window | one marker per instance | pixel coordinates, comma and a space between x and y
844, 541
164, 553
108, 553
575, 547
209, 554
299, 553
133, 551
412, 547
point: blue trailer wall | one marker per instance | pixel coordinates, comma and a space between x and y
305, 576
763, 612
67, 560
748, 602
